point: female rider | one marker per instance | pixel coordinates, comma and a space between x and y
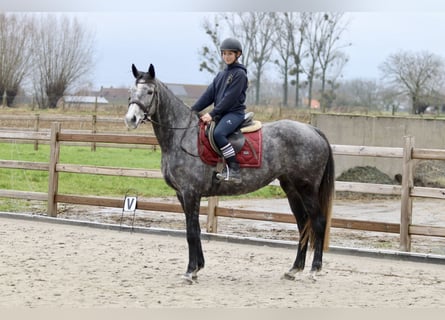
227, 92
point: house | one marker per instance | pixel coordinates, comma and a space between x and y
71, 101
84, 100
188, 93
114, 96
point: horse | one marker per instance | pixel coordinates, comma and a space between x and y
297, 154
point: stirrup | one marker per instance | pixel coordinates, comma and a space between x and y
229, 175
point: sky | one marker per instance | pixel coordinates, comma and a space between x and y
169, 33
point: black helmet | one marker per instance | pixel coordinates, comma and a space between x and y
232, 45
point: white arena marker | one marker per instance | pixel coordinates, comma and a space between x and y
130, 204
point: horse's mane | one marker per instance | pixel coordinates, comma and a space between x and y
170, 93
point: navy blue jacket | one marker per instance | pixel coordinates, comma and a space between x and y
227, 92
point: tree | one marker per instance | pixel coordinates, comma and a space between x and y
15, 53
329, 53
289, 30
255, 31
323, 34
299, 24
63, 56
212, 61
312, 36
240, 27
361, 93
261, 46
419, 75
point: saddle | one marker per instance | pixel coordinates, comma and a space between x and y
246, 141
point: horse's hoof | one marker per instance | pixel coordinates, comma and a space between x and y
190, 278
288, 276
313, 276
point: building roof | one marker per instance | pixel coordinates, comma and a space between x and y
183, 91
191, 91
84, 99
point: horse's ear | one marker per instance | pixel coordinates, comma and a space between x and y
135, 71
151, 71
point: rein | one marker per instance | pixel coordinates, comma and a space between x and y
148, 118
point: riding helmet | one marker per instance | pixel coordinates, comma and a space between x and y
232, 45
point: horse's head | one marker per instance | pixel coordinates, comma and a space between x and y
142, 104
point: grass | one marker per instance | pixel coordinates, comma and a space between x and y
87, 184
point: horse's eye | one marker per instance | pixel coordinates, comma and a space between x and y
150, 91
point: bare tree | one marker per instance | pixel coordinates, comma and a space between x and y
212, 61
298, 24
329, 54
255, 29
240, 26
15, 53
323, 34
361, 93
63, 55
262, 46
419, 75
289, 31
312, 37
282, 40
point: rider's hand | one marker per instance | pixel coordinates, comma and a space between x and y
206, 118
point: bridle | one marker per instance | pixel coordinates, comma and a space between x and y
149, 111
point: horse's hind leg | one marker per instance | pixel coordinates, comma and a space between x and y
318, 223
190, 204
314, 228
299, 211
303, 201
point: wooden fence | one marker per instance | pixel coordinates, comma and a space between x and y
56, 137
92, 123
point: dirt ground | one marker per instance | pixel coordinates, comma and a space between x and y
65, 266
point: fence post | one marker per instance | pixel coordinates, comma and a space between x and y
36, 129
53, 179
406, 200
212, 220
94, 130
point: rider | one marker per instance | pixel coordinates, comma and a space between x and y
228, 94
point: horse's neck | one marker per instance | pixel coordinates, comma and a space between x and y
174, 117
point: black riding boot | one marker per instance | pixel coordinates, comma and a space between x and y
231, 171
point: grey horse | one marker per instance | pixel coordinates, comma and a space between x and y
297, 154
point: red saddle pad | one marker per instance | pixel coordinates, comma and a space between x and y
249, 156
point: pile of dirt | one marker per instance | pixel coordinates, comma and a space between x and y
427, 173
365, 174
430, 173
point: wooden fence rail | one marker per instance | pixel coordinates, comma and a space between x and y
406, 190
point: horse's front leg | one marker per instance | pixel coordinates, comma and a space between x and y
190, 204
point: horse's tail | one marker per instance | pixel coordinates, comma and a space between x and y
326, 193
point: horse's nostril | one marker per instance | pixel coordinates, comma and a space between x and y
133, 119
